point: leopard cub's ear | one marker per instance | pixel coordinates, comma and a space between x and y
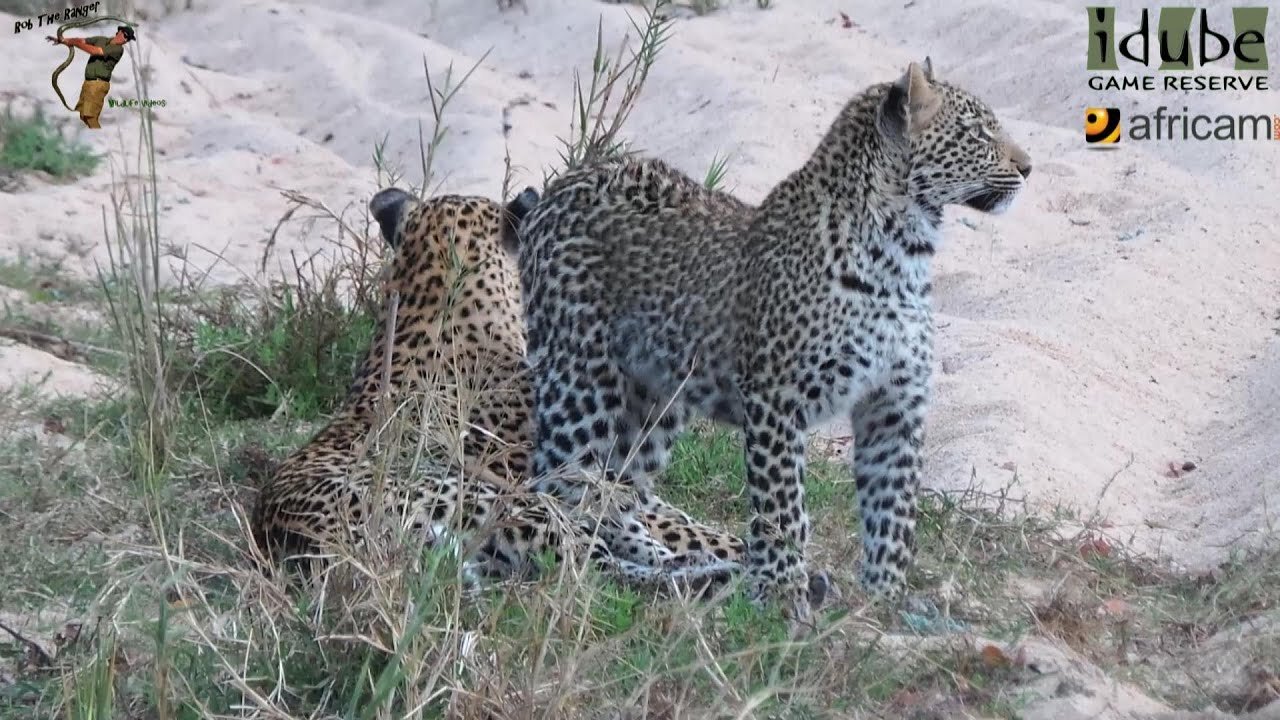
912, 101
387, 207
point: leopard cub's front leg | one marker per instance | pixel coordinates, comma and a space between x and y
779, 526
888, 429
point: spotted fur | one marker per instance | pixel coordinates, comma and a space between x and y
448, 364
649, 301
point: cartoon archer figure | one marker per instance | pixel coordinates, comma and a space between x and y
104, 54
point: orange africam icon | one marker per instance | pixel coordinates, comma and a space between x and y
1102, 125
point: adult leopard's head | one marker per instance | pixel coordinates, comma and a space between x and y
959, 153
397, 211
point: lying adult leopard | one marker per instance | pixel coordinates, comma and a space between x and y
452, 295
814, 306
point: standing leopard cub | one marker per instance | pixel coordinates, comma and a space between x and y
641, 313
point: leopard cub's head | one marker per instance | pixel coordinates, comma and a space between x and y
959, 153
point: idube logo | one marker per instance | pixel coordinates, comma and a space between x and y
1182, 40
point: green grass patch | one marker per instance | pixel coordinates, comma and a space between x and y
708, 472
34, 143
46, 282
391, 633
292, 350
58, 313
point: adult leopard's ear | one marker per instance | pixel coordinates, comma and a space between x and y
912, 102
519, 206
387, 207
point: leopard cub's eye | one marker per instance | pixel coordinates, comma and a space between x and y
981, 131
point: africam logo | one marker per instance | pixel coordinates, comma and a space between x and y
1103, 127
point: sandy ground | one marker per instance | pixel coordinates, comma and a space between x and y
1122, 317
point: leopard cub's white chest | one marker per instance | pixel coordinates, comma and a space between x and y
885, 315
